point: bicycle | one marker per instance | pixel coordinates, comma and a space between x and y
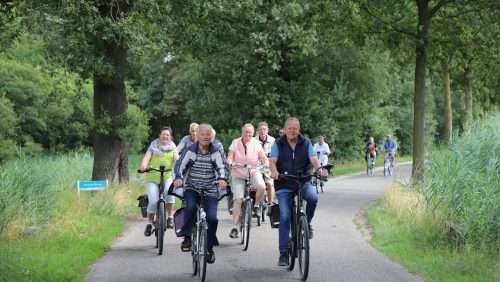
246, 209
370, 162
298, 244
321, 183
160, 221
198, 239
388, 164
318, 181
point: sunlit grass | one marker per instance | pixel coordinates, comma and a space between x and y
406, 231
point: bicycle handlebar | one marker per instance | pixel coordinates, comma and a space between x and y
149, 169
244, 166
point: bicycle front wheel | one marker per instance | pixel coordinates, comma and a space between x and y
160, 230
202, 251
248, 223
303, 247
194, 248
291, 254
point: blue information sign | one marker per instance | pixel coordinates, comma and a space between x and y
91, 185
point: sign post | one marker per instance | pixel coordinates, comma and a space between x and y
91, 185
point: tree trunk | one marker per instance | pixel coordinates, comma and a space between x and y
468, 93
110, 101
419, 94
110, 106
447, 102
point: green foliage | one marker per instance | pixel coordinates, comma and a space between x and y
136, 130
463, 182
8, 124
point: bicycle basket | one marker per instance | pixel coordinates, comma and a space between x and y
143, 204
178, 221
274, 216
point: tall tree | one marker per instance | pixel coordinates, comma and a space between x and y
94, 39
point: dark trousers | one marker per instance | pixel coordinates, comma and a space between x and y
210, 206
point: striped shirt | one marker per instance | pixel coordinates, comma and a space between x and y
202, 174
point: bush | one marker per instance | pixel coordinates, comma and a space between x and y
463, 182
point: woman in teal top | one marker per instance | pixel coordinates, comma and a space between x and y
162, 151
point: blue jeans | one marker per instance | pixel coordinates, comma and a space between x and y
210, 206
285, 202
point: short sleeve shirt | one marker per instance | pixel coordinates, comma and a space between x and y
246, 155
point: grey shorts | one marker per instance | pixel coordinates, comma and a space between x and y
153, 195
239, 185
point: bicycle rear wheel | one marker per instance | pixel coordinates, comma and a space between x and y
160, 231
303, 247
248, 224
230, 204
202, 251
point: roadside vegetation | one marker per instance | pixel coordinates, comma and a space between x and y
47, 233
446, 227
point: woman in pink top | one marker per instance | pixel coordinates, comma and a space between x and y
245, 151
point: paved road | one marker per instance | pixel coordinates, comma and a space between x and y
338, 251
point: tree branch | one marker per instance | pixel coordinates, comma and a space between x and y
438, 6
391, 26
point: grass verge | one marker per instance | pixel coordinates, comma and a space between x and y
49, 234
409, 234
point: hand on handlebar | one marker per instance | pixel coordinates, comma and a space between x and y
178, 182
275, 174
222, 184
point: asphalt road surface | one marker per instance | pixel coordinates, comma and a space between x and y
339, 252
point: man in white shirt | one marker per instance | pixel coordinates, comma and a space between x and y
322, 150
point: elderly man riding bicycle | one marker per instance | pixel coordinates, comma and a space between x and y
292, 154
201, 165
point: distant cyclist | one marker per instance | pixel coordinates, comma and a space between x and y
161, 152
390, 146
200, 166
245, 151
322, 150
371, 150
267, 142
187, 140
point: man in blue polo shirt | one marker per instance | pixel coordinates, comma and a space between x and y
291, 154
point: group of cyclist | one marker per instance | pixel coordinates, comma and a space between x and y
199, 161
389, 146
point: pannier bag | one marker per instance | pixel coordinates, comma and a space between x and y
178, 221
143, 204
274, 216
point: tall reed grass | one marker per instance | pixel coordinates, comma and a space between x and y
32, 188
463, 182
